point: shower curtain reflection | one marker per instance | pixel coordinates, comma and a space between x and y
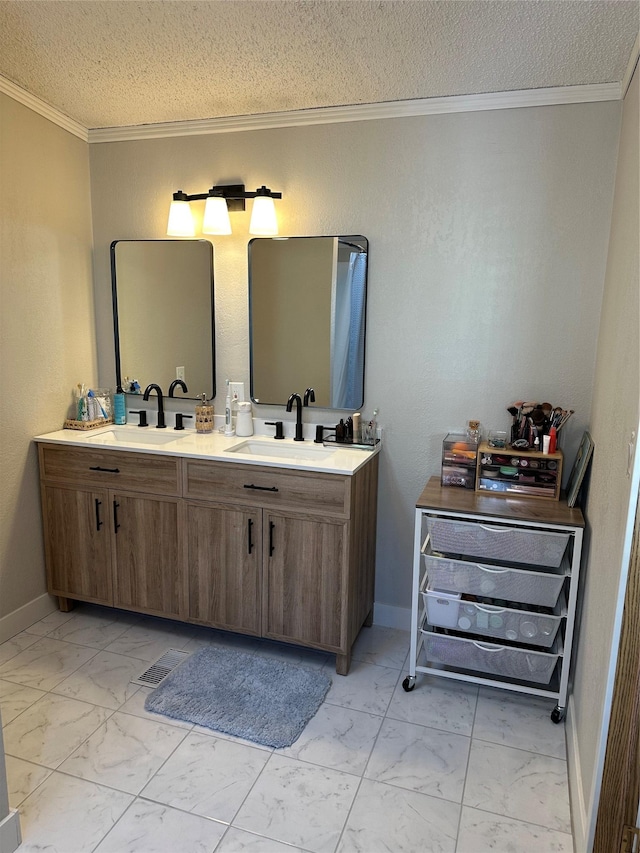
347, 345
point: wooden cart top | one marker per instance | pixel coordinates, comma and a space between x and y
468, 502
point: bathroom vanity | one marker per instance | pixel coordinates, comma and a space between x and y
270, 539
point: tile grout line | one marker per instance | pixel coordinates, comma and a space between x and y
519, 749
519, 820
364, 769
466, 772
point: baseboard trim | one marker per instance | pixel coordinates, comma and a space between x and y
576, 792
389, 616
10, 835
19, 619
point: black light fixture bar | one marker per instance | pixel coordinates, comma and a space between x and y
234, 195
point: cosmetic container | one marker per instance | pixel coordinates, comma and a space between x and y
119, 407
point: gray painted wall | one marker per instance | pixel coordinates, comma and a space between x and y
47, 323
489, 236
488, 239
615, 416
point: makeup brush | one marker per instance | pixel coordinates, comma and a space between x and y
565, 418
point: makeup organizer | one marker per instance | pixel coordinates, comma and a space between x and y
495, 587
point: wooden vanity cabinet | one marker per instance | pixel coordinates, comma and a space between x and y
77, 543
270, 552
147, 558
107, 540
309, 576
305, 579
224, 559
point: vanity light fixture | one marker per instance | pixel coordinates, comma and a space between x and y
219, 201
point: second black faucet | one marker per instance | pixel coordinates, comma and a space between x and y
153, 387
296, 398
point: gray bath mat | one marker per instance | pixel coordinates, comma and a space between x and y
260, 699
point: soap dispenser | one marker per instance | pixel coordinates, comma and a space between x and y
204, 415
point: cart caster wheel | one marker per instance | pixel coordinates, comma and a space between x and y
409, 683
557, 715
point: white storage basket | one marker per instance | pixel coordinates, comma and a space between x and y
442, 607
499, 623
490, 542
521, 585
507, 661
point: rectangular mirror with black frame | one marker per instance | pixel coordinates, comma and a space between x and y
307, 319
163, 313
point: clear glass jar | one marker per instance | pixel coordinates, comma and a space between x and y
472, 432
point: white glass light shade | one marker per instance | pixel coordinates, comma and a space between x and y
216, 216
180, 220
263, 217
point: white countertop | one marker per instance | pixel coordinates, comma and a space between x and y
262, 450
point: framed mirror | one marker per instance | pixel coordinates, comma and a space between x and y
163, 313
307, 319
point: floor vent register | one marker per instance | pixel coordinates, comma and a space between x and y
160, 669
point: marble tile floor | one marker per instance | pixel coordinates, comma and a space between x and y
449, 767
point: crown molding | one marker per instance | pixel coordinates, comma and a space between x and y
42, 108
364, 112
631, 66
329, 115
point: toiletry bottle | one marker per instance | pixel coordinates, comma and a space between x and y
228, 424
348, 430
356, 427
80, 402
204, 415
369, 430
119, 407
473, 432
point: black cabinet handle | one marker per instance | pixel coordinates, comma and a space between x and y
115, 516
249, 539
98, 522
108, 470
261, 488
271, 529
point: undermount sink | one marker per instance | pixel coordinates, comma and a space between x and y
150, 435
289, 450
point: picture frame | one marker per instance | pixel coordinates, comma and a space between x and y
583, 457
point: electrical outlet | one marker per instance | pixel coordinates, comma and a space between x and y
236, 389
180, 373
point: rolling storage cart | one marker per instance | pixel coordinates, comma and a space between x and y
495, 586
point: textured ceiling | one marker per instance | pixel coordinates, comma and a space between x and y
114, 63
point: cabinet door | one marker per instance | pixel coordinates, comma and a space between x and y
225, 557
76, 529
148, 554
304, 595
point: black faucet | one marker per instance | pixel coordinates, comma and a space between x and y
298, 401
309, 395
153, 387
173, 385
